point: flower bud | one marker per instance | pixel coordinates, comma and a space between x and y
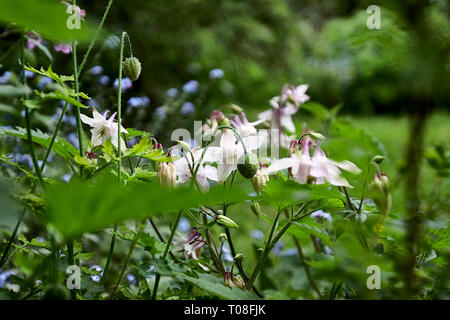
248, 165
378, 159
226, 222
223, 237
167, 174
380, 193
255, 207
228, 282
259, 181
132, 68
239, 282
239, 257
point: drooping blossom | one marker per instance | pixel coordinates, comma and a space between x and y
318, 169
321, 215
184, 166
229, 151
244, 127
191, 246
32, 39
103, 129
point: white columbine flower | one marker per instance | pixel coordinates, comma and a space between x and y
319, 167
103, 128
184, 166
228, 152
243, 127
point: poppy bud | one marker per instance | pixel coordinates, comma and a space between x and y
132, 68
167, 174
226, 222
248, 165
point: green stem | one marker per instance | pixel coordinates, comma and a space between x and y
71, 260
55, 133
11, 239
166, 252
119, 108
130, 251
305, 264
94, 38
109, 257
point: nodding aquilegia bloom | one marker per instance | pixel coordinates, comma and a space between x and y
317, 170
103, 128
229, 151
191, 246
243, 127
184, 166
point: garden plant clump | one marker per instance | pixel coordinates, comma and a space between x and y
293, 202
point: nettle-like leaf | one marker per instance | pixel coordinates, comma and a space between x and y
76, 208
144, 149
49, 73
58, 95
215, 285
61, 146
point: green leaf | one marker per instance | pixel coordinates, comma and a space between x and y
78, 207
44, 16
31, 104
215, 285
58, 95
61, 146
10, 90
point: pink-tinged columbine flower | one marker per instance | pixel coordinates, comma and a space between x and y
184, 166
300, 163
191, 246
228, 152
294, 95
103, 128
319, 168
244, 127
31, 41
63, 47
324, 169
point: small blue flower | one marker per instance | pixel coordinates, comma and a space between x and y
257, 234
43, 82
93, 103
26, 159
320, 214
150, 272
29, 74
160, 112
132, 279
172, 92
66, 177
97, 277
5, 77
216, 73
4, 277
289, 252
104, 80
139, 101
278, 248
184, 225
191, 86
96, 70
126, 84
73, 138
187, 108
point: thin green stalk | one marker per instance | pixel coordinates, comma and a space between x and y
130, 251
166, 252
94, 38
55, 133
76, 88
119, 108
71, 260
305, 264
11, 239
109, 257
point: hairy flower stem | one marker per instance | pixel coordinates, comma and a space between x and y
166, 252
213, 253
119, 109
130, 251
94, 38
76, 89
305, 264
